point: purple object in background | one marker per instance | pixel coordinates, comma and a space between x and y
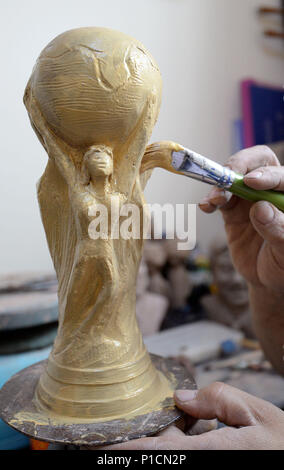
247, 113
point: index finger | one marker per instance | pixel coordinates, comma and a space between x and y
250, 159
269, 177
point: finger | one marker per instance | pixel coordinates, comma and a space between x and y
216, 199
268, 221
228, 404
270, 177
170, 438
135, 444
222, 439
207, 207
252, 158
225, 438
201, 426
219, 197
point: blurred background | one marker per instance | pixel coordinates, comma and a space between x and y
222, 68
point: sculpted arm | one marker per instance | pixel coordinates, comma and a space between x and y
56, 149
156, 155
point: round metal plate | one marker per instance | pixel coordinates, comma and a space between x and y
19, 411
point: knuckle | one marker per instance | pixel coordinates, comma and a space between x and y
239, 161
231, 162
270, 174
222, 392
217, 389
247, 416
268, 152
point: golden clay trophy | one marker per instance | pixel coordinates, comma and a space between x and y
93, 99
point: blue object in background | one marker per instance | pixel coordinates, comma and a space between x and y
10, 365
229, 347
267, 114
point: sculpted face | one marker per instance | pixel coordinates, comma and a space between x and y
98, 163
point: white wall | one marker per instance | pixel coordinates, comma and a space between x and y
203, 48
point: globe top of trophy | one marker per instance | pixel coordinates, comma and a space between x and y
92, 85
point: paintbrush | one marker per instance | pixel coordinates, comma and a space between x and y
201, 168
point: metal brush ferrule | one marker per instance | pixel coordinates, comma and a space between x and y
196, 166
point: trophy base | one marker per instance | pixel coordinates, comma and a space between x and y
19, 411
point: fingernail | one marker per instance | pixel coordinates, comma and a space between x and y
254, 175
264, 213
185, 395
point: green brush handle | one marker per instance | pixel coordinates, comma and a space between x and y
239, 188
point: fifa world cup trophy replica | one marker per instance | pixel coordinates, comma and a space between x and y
93, 99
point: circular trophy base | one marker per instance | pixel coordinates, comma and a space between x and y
19, 411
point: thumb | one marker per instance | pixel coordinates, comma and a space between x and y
268, 221
228, 404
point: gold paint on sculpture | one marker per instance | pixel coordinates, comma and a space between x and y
93, 99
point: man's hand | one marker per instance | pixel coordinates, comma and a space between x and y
256, 239
255, 231
252, 423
